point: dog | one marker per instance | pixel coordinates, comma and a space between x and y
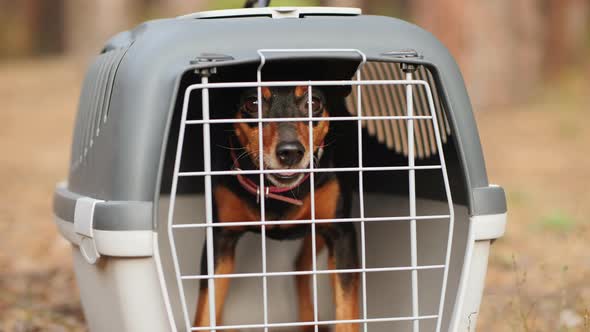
285, 145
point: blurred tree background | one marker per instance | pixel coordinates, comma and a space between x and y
526, 61
491, 40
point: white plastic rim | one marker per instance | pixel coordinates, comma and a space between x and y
112, 243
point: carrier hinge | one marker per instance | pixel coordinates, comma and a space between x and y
403, 54
84, 228
408, 67
210, 57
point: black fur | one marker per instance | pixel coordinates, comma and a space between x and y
340, 238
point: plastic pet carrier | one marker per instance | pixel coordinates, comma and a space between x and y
159, 106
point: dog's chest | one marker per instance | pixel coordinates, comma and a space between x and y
232, 208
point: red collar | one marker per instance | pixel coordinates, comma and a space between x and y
271, 192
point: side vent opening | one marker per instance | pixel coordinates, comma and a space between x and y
94, 103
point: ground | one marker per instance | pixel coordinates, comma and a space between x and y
539, 273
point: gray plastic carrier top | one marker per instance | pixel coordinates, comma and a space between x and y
132, 89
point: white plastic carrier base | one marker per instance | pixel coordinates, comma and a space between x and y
125, 289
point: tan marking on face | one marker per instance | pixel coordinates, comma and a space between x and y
319, 133
270, 137
243, 131
300, 91
266, 93
248, 137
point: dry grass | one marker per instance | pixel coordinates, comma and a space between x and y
541, 268
538, 152
37, 288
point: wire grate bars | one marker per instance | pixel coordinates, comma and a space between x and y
409, 83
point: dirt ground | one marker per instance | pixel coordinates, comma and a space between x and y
539, 273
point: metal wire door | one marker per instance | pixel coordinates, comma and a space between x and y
413, 218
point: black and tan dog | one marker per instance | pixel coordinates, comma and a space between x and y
285, 145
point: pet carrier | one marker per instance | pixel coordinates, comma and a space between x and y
156, 110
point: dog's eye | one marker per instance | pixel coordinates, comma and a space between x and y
316, 105
251, 105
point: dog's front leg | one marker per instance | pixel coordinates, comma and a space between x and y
305, 263
224, 244
343, 255
340, 238
229, 208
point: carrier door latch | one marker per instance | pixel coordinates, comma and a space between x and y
84, 227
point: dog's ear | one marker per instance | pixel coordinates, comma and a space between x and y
336, 100
337, 92
342, 91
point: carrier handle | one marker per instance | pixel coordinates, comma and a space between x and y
261, 3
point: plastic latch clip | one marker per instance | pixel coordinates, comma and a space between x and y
84, 227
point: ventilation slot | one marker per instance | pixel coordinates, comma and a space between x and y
385, 100
94, 103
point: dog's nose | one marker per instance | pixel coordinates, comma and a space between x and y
290, 153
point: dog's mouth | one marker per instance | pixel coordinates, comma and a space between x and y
284, 178
286, 175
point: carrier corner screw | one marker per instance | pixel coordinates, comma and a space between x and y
409, 67
206, 71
